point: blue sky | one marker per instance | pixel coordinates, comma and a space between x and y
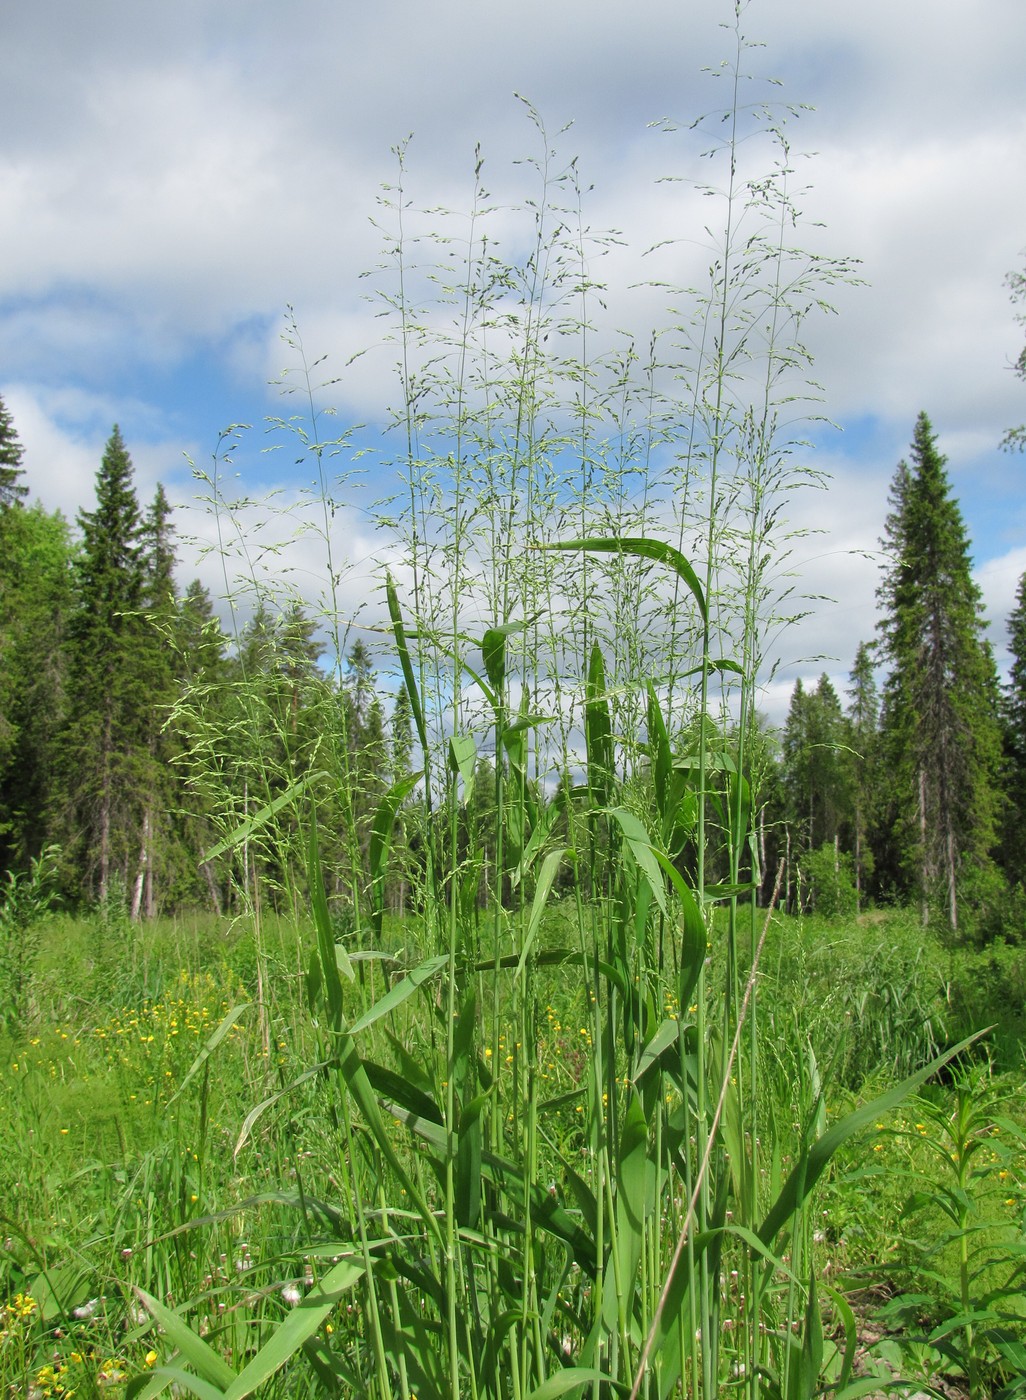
174, 177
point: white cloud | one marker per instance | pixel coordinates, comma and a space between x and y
174, 176
64, 432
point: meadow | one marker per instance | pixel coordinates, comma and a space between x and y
507, 1078
159, 1231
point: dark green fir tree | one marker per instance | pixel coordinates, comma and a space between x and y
105, 746
940, 732
35, 600
159, 851
863, 763
12, 489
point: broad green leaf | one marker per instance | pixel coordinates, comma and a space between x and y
302, 1322
575, 1378
463, 760
146, 1387
659, 751
464, 1031
467, 1196
549, 957
641, 848
546, 875
643, 548
668, 1034
395, 1089
843, 1310
583, 1195
193, 1348
493, 648
712, 893
803, 1381
546, 820
423, 972
634, 1178
598, 732
395, 613
693, 929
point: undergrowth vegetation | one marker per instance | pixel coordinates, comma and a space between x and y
583, 1114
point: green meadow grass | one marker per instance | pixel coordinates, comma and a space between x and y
124, 1185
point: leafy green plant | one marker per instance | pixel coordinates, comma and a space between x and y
968, 1258
830, 876
25, 903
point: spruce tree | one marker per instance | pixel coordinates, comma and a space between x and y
864, 722
815, 776
402, 735
814, 766
203, 676
106, 738
940, 732
12, 490
156, 662
35, 598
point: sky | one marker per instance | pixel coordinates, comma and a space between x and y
173, 178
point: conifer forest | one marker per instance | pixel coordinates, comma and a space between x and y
136, 730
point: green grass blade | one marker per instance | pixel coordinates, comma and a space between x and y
360, 1088
259, 1109
598, 731
380, 840
212, 1043
401, 992
246, 829
550, 865
332, 954
643, 548
300, 1324
146, 1387
815, 1160
395, 613
211, 1368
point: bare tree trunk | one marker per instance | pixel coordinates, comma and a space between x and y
787, 866
952, 883
858, 862
151, 898
105, 805
143, 870
924, 859
215, 894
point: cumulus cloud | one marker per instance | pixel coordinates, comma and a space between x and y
174, 176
